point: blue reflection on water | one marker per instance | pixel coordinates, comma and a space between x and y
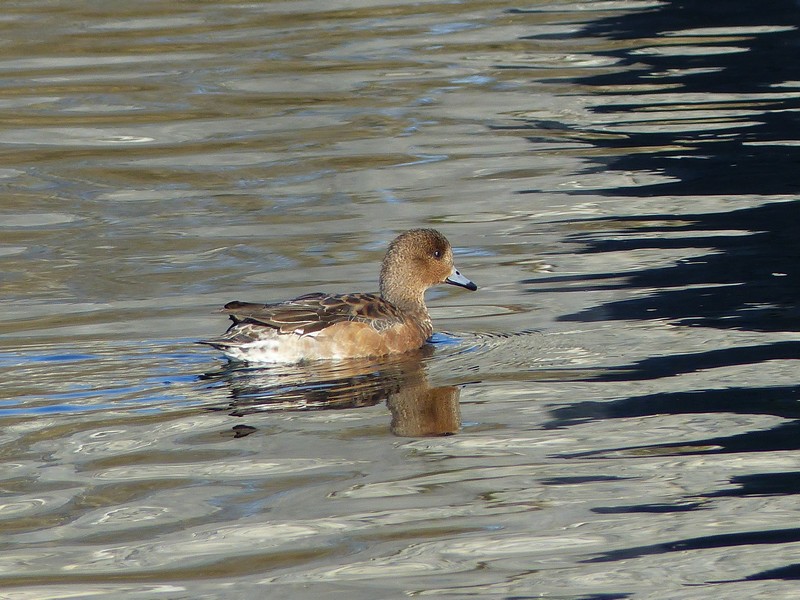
444, 339
152, 377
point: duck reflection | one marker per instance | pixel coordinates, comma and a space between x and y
401, 381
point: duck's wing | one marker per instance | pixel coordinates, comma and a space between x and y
312, 313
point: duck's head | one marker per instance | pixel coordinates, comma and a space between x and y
416, 260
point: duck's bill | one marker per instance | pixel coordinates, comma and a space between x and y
458, 279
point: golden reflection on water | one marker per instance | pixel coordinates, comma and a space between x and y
417, 409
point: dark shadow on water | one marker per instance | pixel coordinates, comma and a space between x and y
789, 572
782, 437
589, 597
748, 279
580, 480
725, 540
649, 508
744, 270
761, 484
703, 161
675, 364
711, 125
417, 408
778, 401
749, 485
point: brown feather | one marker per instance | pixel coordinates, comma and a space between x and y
312, 313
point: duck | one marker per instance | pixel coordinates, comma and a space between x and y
321, 326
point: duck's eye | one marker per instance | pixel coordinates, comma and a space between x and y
437, 254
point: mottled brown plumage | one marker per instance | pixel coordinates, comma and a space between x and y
320, 325
314, 312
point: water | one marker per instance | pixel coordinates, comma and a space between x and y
612, 415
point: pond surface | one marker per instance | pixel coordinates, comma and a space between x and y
613, 414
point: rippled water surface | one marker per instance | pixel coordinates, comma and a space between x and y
613, 414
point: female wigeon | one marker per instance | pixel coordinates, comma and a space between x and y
326, 326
